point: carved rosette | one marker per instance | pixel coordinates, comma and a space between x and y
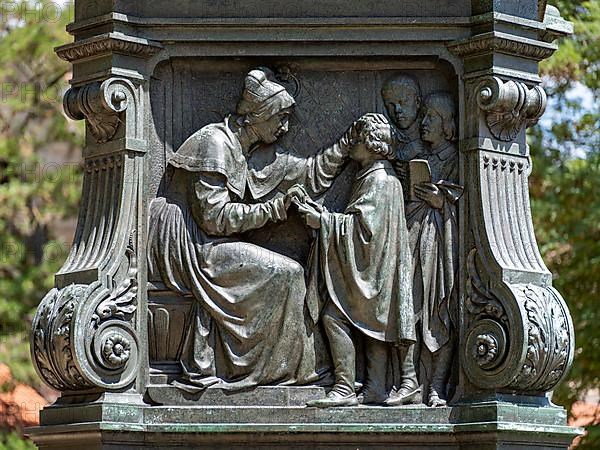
509, 106
84, 332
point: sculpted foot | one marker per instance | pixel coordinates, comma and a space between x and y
435, 401
335, 399
406, 395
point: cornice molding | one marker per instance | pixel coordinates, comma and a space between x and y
106, 44
503, 43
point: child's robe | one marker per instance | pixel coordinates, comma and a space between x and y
362, 262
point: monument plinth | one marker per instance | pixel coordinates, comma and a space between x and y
305, 225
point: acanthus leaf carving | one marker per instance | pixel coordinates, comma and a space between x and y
121, 302
52, 341
82, 335
481, 301
549, 339
519, 337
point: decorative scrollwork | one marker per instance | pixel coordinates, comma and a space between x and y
82, 337
84, 334
101, 104
519, 337
111, 350
51, 339
550, 342
509, 106
489, 329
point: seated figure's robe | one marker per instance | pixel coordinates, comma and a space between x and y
364, 261
248, 326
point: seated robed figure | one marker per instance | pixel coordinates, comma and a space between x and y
248, 325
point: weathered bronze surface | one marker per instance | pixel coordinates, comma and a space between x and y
321, 203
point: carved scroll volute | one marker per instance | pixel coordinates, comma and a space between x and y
84, 332
101, 104
509, 106
517, 334
520, 336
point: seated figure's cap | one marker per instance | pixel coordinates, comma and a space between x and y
262, 97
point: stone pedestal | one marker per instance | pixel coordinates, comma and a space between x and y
224, 421
146, 75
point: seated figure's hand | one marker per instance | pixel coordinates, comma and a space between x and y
296, 194
310, 215
430, 193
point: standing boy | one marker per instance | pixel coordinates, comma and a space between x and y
364, 268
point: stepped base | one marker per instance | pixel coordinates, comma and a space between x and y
224, 421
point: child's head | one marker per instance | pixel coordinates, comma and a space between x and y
374, 133
439, 122
402, 97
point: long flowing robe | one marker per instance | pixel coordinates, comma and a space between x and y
364, 258
248, 326
434, 244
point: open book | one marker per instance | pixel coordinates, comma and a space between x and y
418, 172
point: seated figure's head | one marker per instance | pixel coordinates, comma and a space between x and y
402, 98
372, 138
265, 105
439, 122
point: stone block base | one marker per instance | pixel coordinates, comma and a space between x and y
116, 423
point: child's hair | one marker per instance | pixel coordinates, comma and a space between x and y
375, 131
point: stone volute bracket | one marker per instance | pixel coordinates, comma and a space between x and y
517, 333
519, 337
509, 106
84, 332
101, 104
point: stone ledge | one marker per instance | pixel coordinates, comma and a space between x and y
479, 436
487, 425
215, 396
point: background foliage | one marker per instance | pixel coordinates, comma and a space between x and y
39, 184
37, 191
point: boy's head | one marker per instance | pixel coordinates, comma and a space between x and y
402, 98
373, 138
439, 123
